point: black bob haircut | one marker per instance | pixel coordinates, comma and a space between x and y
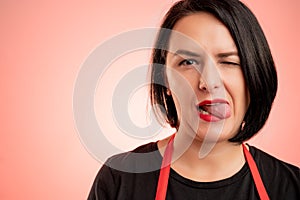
255, 59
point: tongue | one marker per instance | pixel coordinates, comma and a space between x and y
220, 111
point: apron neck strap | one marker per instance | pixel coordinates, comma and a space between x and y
255, 174
163, 179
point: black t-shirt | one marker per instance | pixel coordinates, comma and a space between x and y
135, 177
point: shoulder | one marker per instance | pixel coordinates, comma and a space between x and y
144, 158
265, 160
280, 178
127, 170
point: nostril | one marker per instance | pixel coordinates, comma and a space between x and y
203, 86
210, 85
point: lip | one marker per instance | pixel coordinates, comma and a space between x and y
205, 102
210, 117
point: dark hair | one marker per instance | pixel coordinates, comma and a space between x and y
256, 61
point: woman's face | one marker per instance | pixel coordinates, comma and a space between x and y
206, 80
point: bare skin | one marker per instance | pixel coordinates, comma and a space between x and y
222, 162
226, 158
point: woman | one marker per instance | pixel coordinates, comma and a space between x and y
215, 80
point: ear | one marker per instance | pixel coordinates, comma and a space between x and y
243, 125
169, 92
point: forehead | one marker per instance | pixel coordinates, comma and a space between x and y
201, 32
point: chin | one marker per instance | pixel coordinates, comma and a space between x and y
214, 134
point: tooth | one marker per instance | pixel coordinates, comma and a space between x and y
204, 112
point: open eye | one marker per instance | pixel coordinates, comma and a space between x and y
188, 62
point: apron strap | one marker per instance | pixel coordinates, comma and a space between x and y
255, 174
163, 179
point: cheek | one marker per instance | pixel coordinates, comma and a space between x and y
241, 99
238, 92
181, 88
182, 92
178, 83
176, 89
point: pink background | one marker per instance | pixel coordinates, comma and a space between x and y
43, 44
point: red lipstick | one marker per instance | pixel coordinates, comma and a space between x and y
214, 110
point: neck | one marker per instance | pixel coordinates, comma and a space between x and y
223, 161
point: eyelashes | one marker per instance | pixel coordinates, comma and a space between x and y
230, 63
188, 62
194, 63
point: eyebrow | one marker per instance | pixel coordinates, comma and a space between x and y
193, 54
228, 54
186, 53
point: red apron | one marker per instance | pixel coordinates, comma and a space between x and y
162, 186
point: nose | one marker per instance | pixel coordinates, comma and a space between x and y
210, 78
